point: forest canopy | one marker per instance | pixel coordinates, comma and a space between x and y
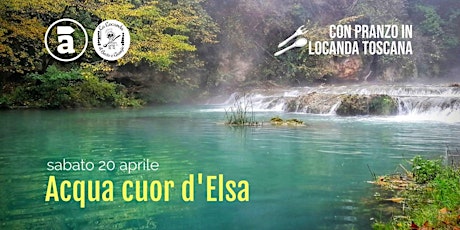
182, 49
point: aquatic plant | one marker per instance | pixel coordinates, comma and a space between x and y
241, 113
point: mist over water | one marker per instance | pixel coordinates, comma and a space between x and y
415, 102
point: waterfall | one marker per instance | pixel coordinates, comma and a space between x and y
441, 102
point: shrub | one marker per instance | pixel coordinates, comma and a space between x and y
425, 170
431, 203
67, 89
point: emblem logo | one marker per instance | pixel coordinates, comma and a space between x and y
67, 46
111, 40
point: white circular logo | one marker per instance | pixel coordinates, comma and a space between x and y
65, 40
111, 40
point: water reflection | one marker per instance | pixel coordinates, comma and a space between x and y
300, 177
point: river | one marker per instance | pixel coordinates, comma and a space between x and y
307, 177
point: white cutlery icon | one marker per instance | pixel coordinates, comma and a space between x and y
299, 43
298, 32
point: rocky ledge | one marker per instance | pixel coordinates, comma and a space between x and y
352, 105
344, 104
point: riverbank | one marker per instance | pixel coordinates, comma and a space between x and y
429, 195
60, 89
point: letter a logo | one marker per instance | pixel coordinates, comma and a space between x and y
62, 40
64, 33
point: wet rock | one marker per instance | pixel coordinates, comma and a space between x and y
353, 105
316, 103
290, 122
382, 105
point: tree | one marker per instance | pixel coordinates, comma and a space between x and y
159, 31
163, 34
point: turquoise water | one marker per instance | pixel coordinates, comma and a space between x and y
311, 177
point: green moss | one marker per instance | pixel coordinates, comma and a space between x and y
383, 105
294, 121
276, 119
290, 122
353, 105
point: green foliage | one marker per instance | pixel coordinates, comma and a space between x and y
436, 35
432, 23
54, 76
442, 28
435, 203
67, 89
446, 188
158, 33
175, 42
382, 226
49, 90
425, 170
164, 39
20, 42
